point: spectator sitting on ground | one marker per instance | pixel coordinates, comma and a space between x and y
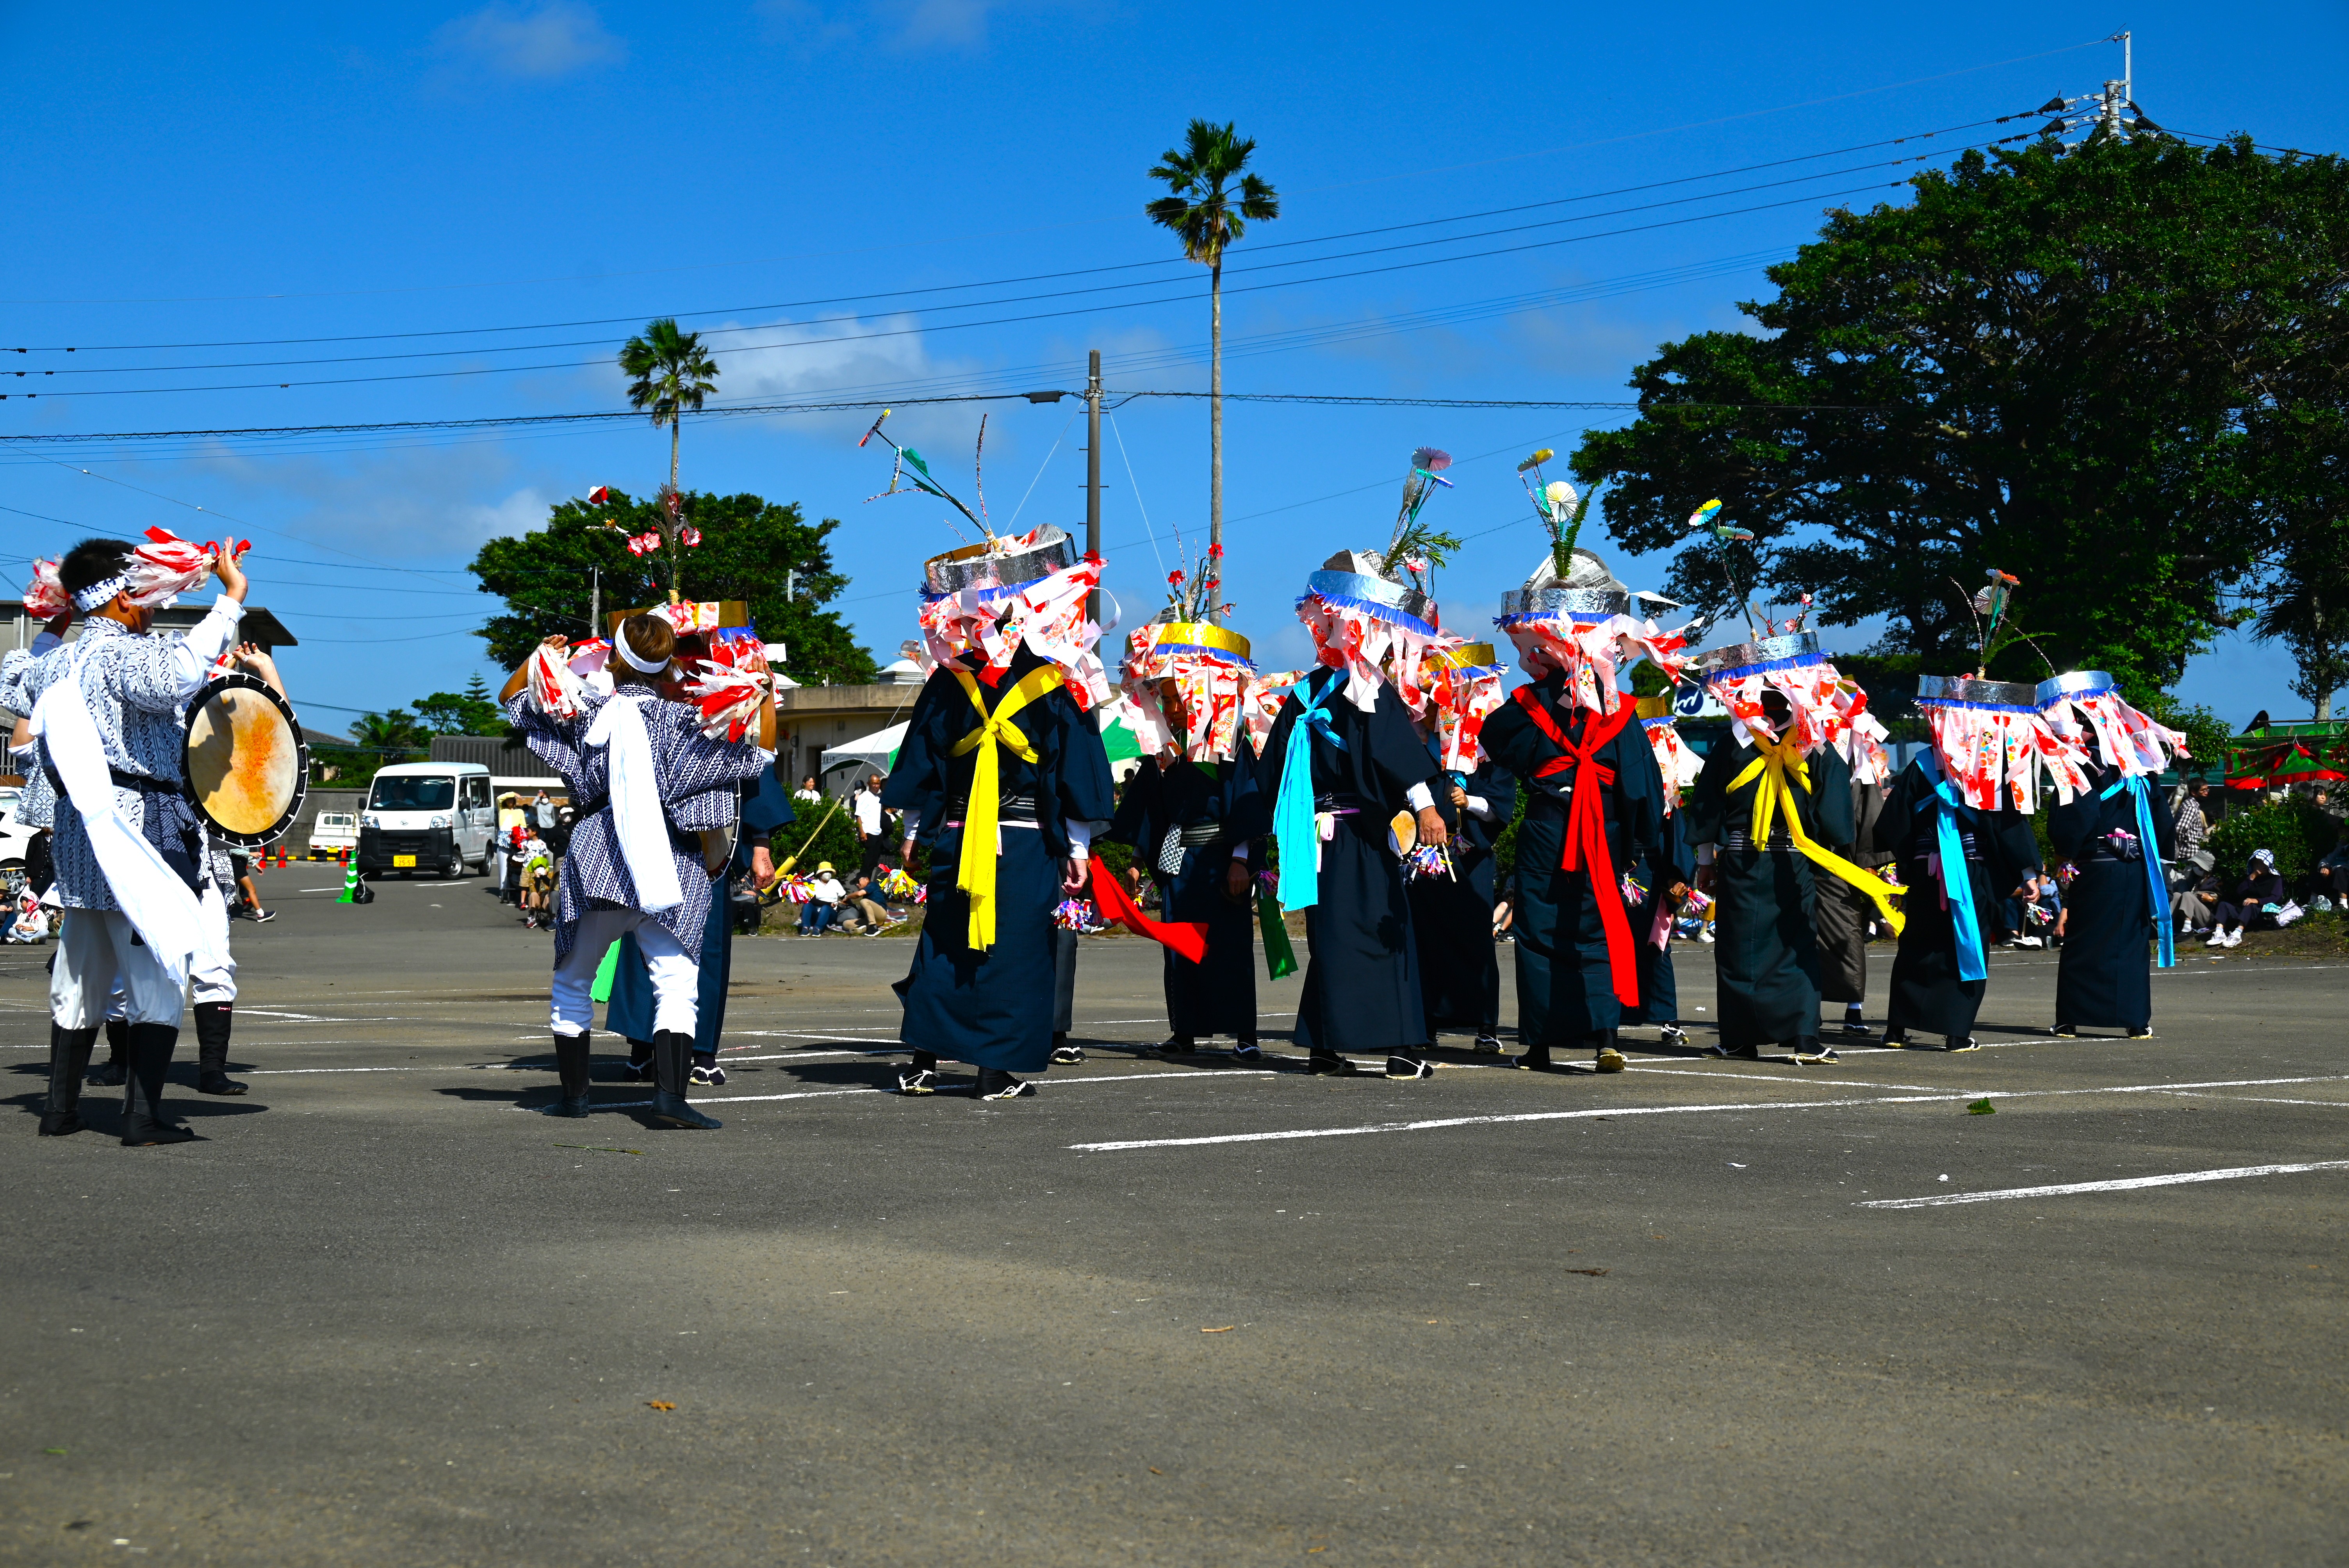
822, 911
2260, 903
2332, 879
863, 912
2195, 892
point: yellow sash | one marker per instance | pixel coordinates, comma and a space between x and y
975, 872
1772, 768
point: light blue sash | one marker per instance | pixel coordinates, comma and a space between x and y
1957, 887
2155, 887
1292, 809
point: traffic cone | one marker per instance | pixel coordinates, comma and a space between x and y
353, 890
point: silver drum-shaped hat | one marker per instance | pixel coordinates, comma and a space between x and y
976, 566
2078, 682
1769, 651
1372, 590
1560, 601
1960, 688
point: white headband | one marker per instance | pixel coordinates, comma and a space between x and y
621, 645
97, 595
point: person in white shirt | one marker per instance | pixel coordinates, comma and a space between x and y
872, 843
822, 910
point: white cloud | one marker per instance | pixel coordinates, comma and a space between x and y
552, 38
903, 23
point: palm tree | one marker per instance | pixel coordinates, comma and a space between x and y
673, 373
1203, 212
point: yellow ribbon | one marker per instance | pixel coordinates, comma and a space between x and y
975, 872
1772, 768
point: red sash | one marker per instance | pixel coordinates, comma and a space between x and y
1586, 827
1187, 937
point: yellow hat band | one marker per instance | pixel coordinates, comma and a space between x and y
1171, 635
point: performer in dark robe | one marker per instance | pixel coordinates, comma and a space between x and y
1843, 913
1452, 916
1946, 810
1003, 774
2118, 834
1194, 825
1577, 959
1340, 763
1782, 694
766, 808
1675, 869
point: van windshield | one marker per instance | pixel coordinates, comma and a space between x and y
414, 793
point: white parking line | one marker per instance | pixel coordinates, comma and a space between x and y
1630, 1111
2119, 1184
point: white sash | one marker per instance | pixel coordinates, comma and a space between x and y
150, 893
637, 818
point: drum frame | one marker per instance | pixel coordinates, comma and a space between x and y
241, 681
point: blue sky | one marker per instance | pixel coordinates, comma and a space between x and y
188, 175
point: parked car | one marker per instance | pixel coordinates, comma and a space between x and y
426, 817
333, 832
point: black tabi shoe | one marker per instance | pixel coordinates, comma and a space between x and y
143, 1125
1409, 1068
2140, 1034
1960, 1043
638, 1067
994, 1083
921, 1077
572, 1053
68, 1061
1067, 1055
1856, 1029
111, 1073
1178, 1045
1487, 1045
1672, 1037
1896, 1040
1330, 1064
1247, 1051
707, 1073
1733, 1053
1533, 1061
671, 1052
213, 1020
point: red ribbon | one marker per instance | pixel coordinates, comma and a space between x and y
1187, 937
1585, 828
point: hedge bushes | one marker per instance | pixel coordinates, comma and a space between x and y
2299, 834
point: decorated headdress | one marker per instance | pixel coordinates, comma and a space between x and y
1989, 739
1370, 612
2088, 703
1003, 593
1209, 669
1464, 687
1583, 622
1828, 709
1679, 765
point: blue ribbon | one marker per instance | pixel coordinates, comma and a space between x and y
1292, 810
1957, 887
2155, 888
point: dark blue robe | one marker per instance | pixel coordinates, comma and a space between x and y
1218, 994
993, 1009
1565, 984
1459, 962
1659, 989
2103, 980
630, 1010
1361, 974
1929, 994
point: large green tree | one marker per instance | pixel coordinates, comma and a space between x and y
2087, 366
748, 546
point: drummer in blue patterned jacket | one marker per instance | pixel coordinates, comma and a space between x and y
128, 849
647, 780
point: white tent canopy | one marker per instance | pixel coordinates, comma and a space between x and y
877, 751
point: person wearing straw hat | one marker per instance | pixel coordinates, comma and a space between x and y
653, 776
2117, 831
1003, 775
1959, 815
1594, 822
1348, 775
1773, 796
1193, 815
1451, 890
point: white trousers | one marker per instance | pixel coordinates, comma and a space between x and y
205, 984
677, 978
95, 949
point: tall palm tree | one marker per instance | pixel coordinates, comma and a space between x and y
1203, 212
673, 373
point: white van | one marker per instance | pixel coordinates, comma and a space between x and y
428, 817
333, 832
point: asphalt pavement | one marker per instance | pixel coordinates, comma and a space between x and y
1700, 1312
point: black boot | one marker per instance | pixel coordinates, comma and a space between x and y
109, 1074
213, 1020
142, 1089
672, 1054
68, 1059
571, 1061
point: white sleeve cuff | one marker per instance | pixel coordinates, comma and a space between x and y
1239, 851
213, 635
1418, 797
1480, 808
1080, 837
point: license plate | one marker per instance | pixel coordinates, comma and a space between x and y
402, 863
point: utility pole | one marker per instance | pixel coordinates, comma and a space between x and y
1092, 473
595, 605
2120, 94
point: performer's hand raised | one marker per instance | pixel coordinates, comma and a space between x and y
1432, 829
558, 642
230, 575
